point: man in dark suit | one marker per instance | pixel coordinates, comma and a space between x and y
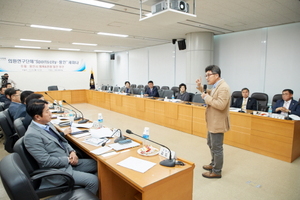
52, 151
151, 90
245, 102
287, 105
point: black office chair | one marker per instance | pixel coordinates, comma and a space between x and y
10, 136
133, 85
136, 91
141, 90
146, 87
32, 167
116, 89
198, 99
157, 86
19, 185
234, 96
167, 93
19, 127
1, 106
52, 87
160, 93
140, 86
165, 87
191, 96
276, 97
103, 87
262, 100
176, 90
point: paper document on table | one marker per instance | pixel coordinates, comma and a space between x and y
118, 147
136, 164
102, 132
101, 150
95, 141
294, 117
86, 125
234, 109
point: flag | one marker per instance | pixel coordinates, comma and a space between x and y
92, 82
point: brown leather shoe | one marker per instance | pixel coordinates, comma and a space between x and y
207, 167
211, 175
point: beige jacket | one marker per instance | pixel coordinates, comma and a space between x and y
217, 111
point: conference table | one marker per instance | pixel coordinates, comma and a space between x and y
271, 137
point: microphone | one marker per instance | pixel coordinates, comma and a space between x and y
204, 88
168, 162
51, 98
119, 138
75, 118
81, 121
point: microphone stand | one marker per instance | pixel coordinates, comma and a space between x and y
168, 162
81, 121
52, 100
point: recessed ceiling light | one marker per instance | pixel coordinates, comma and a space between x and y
31, 40
94, 3
50, 27
87, 44
103, 51
28, 47
66, 49
112, 34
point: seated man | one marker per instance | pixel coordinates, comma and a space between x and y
15, 102
7, 99
52, 151
127, 89
245, 102
287, 105
183, 95
151, 91
21, 111
2, 95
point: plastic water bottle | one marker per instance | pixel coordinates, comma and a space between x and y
100, 120
71, 117
119, 90
142, 94
146, 135
173, 96
270, 110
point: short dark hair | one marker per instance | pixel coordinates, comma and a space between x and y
7, 84
127, 82
24, 95
8, 91
245, 89
182, 84
3, 86
13, 91
150, 82
214, 69
33, 96
288, 90
35, 107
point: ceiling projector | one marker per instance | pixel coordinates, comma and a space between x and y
174, 4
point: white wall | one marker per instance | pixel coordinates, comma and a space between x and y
39, 81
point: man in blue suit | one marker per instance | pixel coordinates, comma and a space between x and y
151, 91
245, 102
287, 105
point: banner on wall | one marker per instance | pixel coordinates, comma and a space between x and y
14, 64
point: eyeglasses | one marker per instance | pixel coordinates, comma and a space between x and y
208, 75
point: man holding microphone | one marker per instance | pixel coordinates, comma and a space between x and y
217, 100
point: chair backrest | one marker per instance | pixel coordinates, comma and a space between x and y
133, 85
19, 127
160, 93
9, 119
165, 87
16, 179
10, 136
140, 86
1, 106
234, 96
157, 86
262, 100
141, 90
276, 97
104, 87
175, 89
146, 87
197, 98
191, 96
167, 93
116, 89
136, 91
52, 87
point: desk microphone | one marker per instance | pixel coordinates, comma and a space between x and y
51, 98
119, 138
81, 121
204, 88
168, 162
75, 118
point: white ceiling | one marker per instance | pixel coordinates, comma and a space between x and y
224, 16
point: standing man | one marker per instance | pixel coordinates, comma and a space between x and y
52, 151
6, 79
151, 91
217, 118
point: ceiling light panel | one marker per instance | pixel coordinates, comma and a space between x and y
112, 34
51, 27
94, 3
86, 44
32, 40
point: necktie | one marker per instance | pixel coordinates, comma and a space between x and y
51, 132
244, 104
127, 90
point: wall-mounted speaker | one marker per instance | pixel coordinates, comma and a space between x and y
174, 41
112, 56
181, 45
